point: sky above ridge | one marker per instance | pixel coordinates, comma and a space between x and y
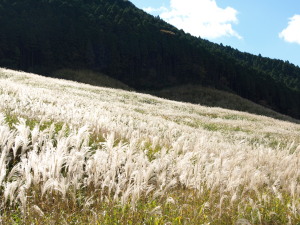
267, 27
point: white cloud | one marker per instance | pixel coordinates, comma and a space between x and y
202, 18
292, 32
157, 10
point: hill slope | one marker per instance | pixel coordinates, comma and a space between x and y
73, 152
144, 52
90, 77
211, 97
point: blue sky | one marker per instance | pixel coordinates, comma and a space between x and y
267, 27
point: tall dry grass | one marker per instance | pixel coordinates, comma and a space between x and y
83, 149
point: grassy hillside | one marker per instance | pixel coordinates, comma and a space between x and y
193, 94
72, 153
216, 98
90, 77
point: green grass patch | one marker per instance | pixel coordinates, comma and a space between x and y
149, 101
151, 150
13, 120
139, 110
212, 127
238, 117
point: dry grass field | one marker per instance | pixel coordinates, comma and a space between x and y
72, 153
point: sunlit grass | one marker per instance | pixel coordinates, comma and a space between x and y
76, 154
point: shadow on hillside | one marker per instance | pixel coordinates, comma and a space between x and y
216, 98
90, 77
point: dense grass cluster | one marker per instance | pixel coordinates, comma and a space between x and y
77, 154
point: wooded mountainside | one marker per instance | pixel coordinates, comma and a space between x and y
118, 39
